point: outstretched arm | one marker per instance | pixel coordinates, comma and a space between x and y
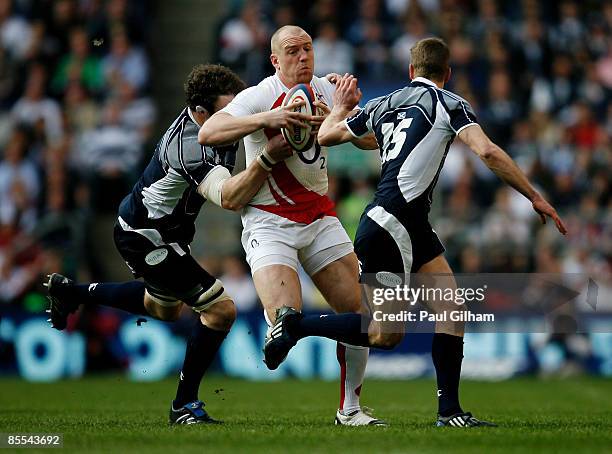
367, 142
233, 193
505, 168
223, 128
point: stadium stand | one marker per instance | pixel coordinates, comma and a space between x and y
77, 122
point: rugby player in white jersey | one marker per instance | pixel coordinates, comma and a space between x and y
291, 220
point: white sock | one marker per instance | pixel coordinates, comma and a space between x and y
353, 360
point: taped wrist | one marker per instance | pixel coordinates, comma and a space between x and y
210, 187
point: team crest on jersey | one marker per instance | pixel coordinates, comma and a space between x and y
401, 115
156, 257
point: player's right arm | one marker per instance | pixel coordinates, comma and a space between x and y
339, 132
245, 115
505, 168
335, 129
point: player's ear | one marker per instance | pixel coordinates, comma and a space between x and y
411, 71
448, 75
202, 110
274, 61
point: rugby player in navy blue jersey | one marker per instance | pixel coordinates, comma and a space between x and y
414, 127
156, 224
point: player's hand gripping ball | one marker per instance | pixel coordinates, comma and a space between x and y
300, 138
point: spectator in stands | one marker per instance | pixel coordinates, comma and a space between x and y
19, 184
81, 111
108, 157
15, 32
554, 93
332, 54
371, 13
569, 33
35, 105
103, 19
415, 29
372, 56
137, 112
78, 66
125, 63
244, 43
502, 109
8, 79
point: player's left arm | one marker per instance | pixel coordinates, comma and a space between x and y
505, 168
333, 129
234, 192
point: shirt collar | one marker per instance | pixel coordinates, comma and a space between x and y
425, 81
190, 113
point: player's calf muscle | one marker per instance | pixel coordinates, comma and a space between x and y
277, 286
384, 341
339, 284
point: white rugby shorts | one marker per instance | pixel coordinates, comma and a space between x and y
269, 239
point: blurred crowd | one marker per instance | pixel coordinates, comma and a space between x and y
75, 116
537, 73
77, 124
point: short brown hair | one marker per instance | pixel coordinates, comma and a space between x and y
430, 58
206, 83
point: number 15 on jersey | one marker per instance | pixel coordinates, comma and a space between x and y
393, 139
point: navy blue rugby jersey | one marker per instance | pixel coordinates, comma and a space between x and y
165, 198
414, 127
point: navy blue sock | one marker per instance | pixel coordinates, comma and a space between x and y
345, 328
202, 346
127, 296
447, 355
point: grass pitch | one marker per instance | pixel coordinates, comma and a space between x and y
110, 414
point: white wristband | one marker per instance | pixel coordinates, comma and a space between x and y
266, 155
261, 161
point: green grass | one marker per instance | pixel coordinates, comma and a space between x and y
110, 414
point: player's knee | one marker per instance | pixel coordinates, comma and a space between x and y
220, 316
385, 341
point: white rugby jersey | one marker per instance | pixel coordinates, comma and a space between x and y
297, 187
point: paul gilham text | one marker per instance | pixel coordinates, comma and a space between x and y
425, 316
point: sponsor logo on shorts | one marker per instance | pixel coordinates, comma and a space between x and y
156, 257
388, 279
254, 243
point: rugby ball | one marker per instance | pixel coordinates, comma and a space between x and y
300, 139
